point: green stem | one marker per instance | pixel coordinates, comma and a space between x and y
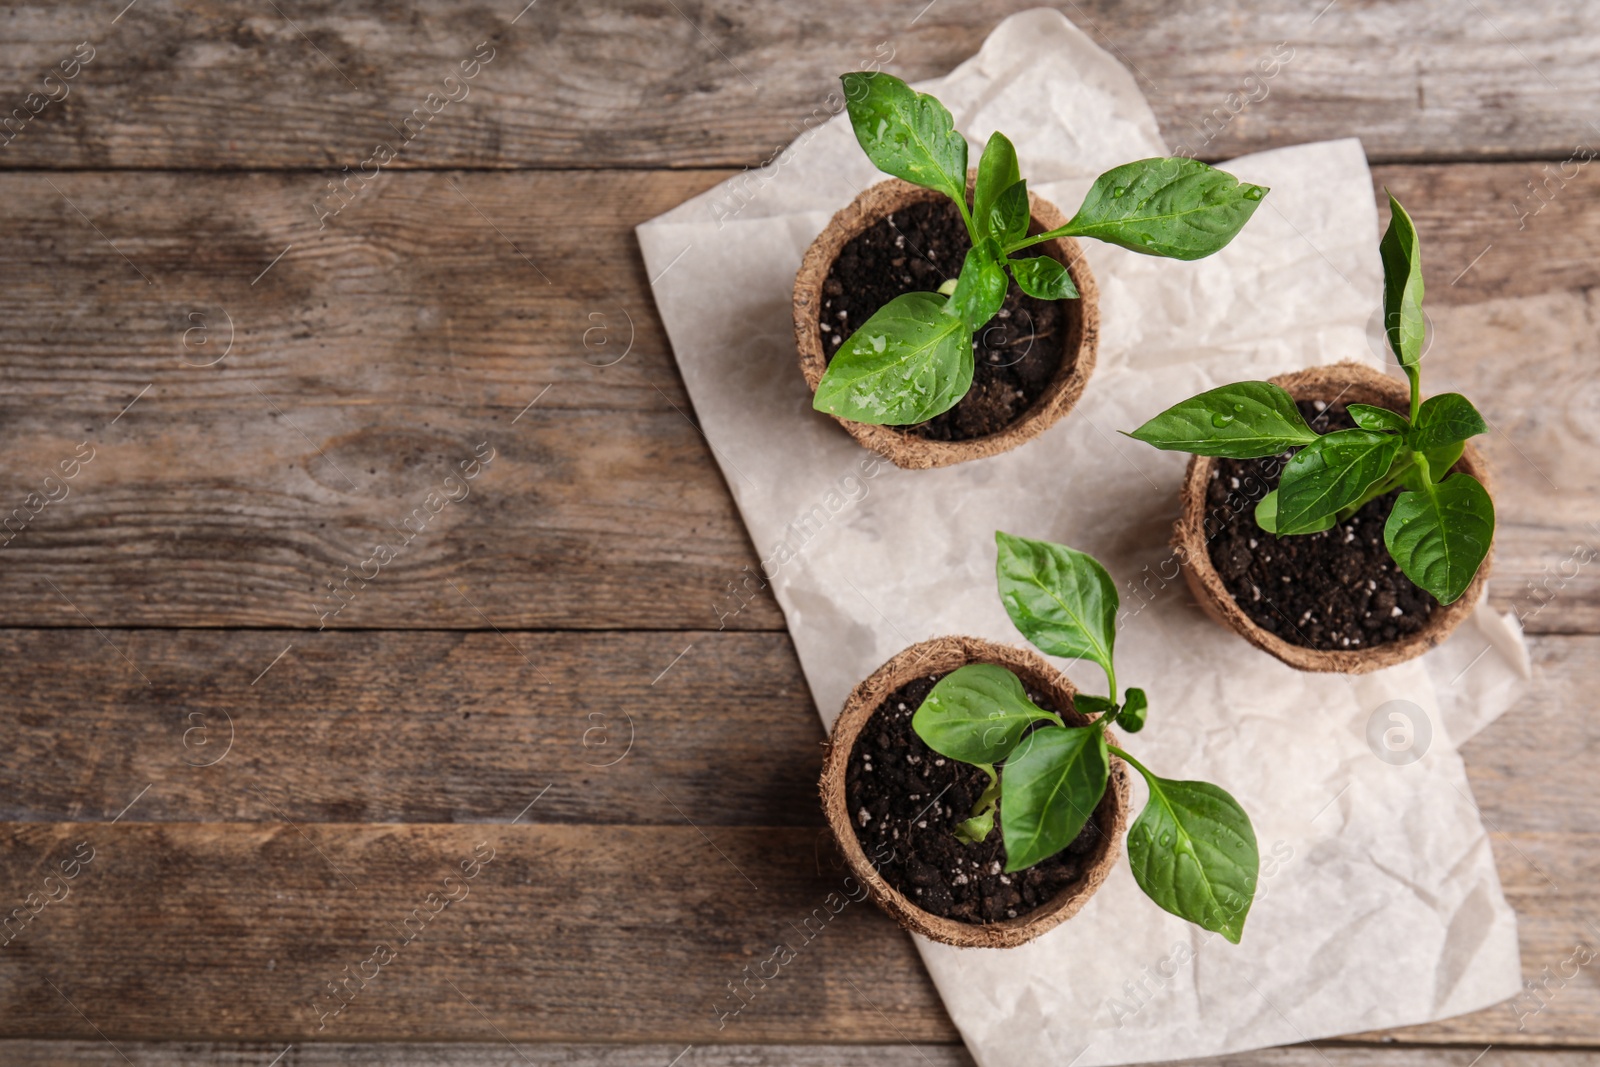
1423, 469
1383, 485
1039, 239
1414, 374
1111, 716
991, 792
983, 809
1141, 768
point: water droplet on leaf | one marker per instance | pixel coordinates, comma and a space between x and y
1220, 419
1119, 192
1255, 192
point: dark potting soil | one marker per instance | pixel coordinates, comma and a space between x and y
906, 800
1333, 590
915, 250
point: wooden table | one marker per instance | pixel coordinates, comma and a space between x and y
253, 390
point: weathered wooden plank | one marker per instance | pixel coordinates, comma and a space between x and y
37, 1053
377, 712
567, 932
209, 947
366, 368
1531, 769
383, 752
460, 728
1493, 231
388, 347
408, 727
726, 82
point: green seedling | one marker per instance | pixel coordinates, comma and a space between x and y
1192, 849
1441, 526
913, 358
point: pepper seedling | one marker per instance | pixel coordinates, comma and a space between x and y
1441, 526
913, 358
1192, 848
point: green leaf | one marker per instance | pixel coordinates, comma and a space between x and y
976, 714
1402, 286
981, 287
1440, 535
1442, 458
1246, 420
1445, 420
1267, 512
1267, 516
907, 133
1328, 474
1091, 706
1008, 218
997, 172
1133, 711
1043, 277
1048, 790
976, 829
1193, 851
906, 364
1062, 601
1369, 417
1179, 208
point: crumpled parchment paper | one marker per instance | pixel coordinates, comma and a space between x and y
1379, 904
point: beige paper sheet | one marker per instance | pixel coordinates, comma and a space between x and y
1379, 902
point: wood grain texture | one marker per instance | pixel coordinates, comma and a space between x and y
408, 727
1531, 770
1498, 231
662, 918
726, 82
570, 931
23, 1053
368, 725
376, 355
460, 728
366, 366
35, 1053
